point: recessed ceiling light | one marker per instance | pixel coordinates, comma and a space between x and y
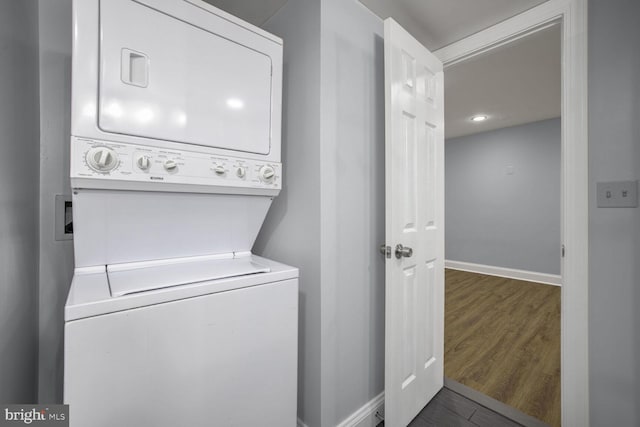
479, 118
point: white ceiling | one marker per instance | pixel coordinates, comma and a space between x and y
256, 12
514, 84
437, 23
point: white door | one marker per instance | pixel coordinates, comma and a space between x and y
414, 326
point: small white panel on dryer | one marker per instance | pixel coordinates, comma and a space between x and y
144, 276
182, 82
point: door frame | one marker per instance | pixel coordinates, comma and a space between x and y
572, 15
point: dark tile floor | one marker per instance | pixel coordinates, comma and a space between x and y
449, 409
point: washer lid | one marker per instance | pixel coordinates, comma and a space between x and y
130, 278
90, 295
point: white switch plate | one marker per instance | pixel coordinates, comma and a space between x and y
618, 194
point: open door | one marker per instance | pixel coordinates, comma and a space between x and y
414, 325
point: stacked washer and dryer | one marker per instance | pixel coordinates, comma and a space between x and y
175, 160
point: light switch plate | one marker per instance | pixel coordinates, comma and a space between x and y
617, 194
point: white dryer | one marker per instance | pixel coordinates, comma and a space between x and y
175, 160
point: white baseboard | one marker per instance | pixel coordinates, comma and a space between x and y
366, 415
510, 273
363, 417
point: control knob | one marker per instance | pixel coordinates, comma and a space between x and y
144, 163
170, 165
102, 159
219, 170
241, 172
267, 173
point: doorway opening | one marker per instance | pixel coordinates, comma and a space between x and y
406, 57
572, 14
503, 226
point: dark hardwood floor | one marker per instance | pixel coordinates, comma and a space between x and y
502, 338
449, 409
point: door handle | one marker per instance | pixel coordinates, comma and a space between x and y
134, 68
403, 251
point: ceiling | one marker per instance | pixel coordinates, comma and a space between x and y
256, 12
437, 23
514, 84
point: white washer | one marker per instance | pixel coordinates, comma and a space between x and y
175, 160
212, 353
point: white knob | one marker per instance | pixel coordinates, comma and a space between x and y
241, 172
144, 163
267, 173
170, 165
219, 170
102, 159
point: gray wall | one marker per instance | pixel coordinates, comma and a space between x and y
500, 219
18, 200
56, 257
294, 229
352, 206
329, 225
291, 232
614, 247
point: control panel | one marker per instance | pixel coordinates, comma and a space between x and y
101, 160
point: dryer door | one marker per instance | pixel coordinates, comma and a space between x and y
183, 74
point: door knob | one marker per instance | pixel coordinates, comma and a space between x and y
403, 251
